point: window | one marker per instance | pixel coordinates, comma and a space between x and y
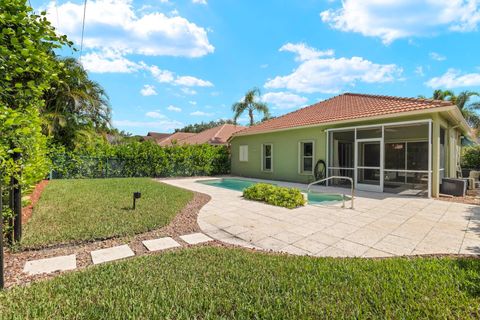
306, 157
266, 157
243, 153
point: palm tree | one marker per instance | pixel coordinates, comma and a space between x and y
250, 104
462, 102
74, 104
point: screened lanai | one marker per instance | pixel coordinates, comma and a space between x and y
393, 157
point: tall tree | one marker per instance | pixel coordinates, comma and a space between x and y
251, 105
76, 106
462, 101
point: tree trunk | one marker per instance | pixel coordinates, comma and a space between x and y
250, 114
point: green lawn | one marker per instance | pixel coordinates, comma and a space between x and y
209, 282
88, 209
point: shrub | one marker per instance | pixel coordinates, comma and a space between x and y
471, 157
141, 159
278, 196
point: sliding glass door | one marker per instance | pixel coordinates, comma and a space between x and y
369, 169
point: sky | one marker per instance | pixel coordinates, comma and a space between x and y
169, 63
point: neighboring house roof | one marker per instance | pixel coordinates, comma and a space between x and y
157, 135
176, 137
348, 106
216, 135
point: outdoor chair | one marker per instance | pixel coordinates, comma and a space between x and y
474, 179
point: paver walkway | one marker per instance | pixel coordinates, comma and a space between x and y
64, 263
380, 225
49, 265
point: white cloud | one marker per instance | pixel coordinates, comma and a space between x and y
454, 79
190, 81
200, 113
174, 109
199, 1
166, 76
160, 125
108, 61
437, 56
148, 90
115, 24
284, 100
331, 75
162, 76
305, 52
189, 91
155, 115
193, 103
419, 71
395, 19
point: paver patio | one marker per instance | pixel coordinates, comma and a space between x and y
380, 225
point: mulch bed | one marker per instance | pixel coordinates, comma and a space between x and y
472, 197
34, 197
185, 222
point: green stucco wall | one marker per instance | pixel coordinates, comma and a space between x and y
286, 149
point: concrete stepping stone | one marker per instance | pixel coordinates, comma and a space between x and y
160, 244
111, 254
195, 238
50, 265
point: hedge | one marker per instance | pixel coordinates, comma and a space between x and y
142, 159
278, 196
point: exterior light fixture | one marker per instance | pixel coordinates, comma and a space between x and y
136, 195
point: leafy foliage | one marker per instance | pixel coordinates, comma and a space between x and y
141, 159
199, 127
27, 69
76, 108
471, 157
251, 105
278, 196
463, 102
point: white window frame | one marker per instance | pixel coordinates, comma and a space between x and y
243, 153
271, 157
301, 157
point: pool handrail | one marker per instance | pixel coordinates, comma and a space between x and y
336, 177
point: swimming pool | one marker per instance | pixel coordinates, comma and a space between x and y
240, 184
229, 183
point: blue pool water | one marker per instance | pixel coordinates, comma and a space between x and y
229, 183
240, 185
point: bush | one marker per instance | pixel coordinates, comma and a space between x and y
141, 159
278, 196
471, 157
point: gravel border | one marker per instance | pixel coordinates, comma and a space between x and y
183, 223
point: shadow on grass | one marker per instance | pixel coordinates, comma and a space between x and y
471, 269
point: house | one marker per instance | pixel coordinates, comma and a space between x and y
155, 136
174, 138
215, 136
385, 144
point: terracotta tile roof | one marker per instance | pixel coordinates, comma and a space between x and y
156, 136
216, 135
348, 106
177, 137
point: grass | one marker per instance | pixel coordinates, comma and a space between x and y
209, 282
89, 209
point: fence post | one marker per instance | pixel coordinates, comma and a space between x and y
2, 280
10, 218
17, 202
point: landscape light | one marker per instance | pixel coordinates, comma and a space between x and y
136, 195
